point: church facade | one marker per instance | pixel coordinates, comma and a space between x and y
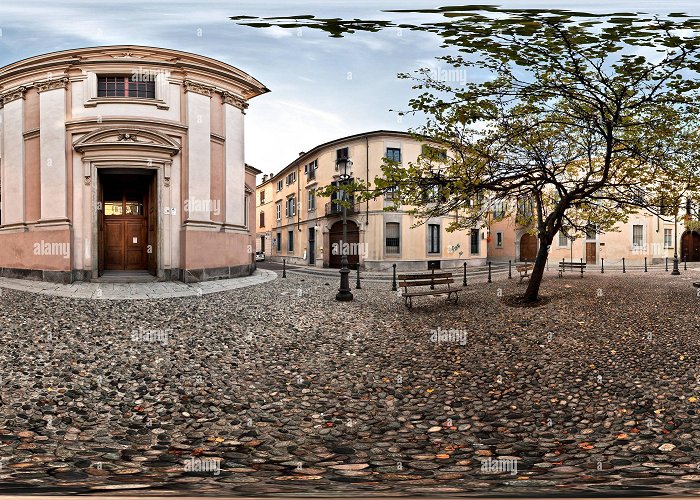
125, 159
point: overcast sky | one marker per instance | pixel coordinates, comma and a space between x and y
322, 88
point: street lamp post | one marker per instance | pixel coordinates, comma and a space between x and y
344, 294
675, 271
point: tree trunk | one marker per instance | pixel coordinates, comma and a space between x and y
533, 285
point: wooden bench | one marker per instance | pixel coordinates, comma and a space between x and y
524, 270
433, 280
578, 266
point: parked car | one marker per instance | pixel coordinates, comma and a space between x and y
259, 256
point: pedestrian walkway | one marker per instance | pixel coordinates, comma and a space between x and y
133, 291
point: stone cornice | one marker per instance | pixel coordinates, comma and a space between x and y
12, 95
198, 88
234, 100
46, 85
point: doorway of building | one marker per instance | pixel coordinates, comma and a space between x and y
336, 241
590, 252
312, 245
528, 247
127, 223
690, 246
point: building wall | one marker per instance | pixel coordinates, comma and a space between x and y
366, 152
57, 136
612, 246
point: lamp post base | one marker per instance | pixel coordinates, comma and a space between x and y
675, 271
344, 294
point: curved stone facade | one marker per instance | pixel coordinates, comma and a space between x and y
125, 158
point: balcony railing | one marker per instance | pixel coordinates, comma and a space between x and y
333, 208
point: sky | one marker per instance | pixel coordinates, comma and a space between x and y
321, 88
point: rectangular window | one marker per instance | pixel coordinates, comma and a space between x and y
525, 207
311, 170
689, 206
125, 86
393, 154
591, 233
262, 197
433, 153
392, 237
311, 205
278, 210
499, 240
279, 185
291, 178
290, 241
499, 209
290, 207
341, 155
637, 236
668, 238
475, 241
262, 219
433, 238
563, 239
279, 242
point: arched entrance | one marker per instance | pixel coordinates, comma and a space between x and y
528, 247
336, 244
690, 246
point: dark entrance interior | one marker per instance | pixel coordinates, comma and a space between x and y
690, 246
127, 225
336, 237
312, 245
528, 247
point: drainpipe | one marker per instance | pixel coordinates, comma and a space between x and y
367, 179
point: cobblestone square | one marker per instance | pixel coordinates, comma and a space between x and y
277, 389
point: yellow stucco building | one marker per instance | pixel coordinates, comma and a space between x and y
296, 225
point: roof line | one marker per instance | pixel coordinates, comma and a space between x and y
315, 149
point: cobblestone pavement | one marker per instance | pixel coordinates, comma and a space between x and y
279, 390
133, 291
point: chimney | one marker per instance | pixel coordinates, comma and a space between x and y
264, 177
302, 153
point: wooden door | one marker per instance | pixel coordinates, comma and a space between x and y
125, 222
135, 244
336, 240
690, 246
590, 252
528, 247
114, 245
125, 245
